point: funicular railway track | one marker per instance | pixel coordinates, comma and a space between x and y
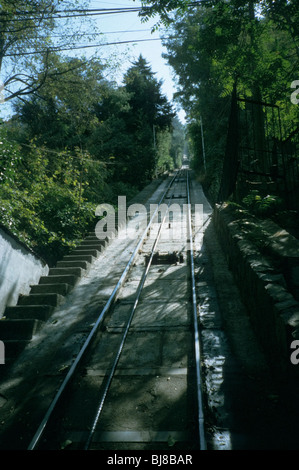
136, 382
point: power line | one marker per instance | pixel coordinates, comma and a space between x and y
39, 25
109, 32
102, 33
77, 13
76, 10
61, 49
81, 12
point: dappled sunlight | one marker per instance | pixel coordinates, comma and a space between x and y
91, 153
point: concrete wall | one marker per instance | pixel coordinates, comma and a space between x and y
19, 268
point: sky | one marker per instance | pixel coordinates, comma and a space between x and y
127, 26
151, 50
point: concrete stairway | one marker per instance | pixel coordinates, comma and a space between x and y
21, 322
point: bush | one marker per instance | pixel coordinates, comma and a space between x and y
50, 224
43, 206
261, 206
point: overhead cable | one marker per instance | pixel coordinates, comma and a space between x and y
61, 49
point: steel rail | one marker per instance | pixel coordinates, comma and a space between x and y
120, 349
197, 346
40, 430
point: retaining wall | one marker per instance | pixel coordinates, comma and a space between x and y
263, 283
19, 268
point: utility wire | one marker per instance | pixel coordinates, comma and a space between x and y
81, 12
61, 49
82, 35
75, 10
102, 33
84, 13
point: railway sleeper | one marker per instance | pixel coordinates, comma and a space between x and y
165, 258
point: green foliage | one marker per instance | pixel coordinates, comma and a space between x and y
61, 115
177, 145
149, 118
47, 218
119, 188
262, 206
163, 8
43, 212
131, 121
216, 44
79, 142
163, 157
10, 159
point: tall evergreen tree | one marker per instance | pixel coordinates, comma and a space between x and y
150, 112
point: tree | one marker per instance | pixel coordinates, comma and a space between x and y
164, 161
162, 8
26, 40
149, 114
60, 121
211, 47
61, 115
132, 119
146, 98
285, 15
177, 142
112, 141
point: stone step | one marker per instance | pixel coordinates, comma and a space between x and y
18, 329
88, 258
69, 279
88, 249
99, 244
62, 289
13, 348
94, 238
73, 264
94, 233
111, 233
23, 312
90, 246
85, 251
41, 299
66, 271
